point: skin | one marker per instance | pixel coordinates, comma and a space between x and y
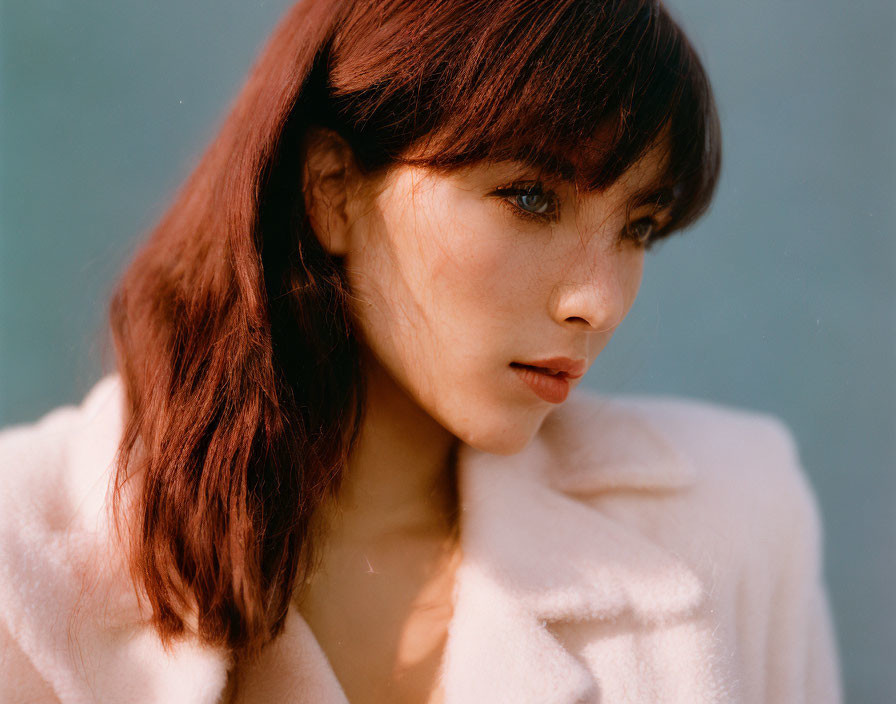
450, 285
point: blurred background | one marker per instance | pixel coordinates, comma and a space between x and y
781, 299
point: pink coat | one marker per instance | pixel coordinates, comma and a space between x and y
640, 549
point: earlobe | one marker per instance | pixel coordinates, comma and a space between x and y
328, 166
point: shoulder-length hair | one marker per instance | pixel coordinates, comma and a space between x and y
239, 358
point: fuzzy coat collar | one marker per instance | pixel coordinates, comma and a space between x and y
533, 554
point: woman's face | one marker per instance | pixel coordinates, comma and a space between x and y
453, 283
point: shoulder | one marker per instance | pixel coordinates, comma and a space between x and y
704, 428
717, 441
697, 427
66, 600
55, 469
750, 454
720, 492
729, 473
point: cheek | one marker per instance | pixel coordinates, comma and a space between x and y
429, 287
437, 297
477, 274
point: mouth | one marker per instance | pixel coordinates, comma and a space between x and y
541, 370
557, 366
548, 384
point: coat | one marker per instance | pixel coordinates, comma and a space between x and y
639, 549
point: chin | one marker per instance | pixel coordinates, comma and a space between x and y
502, 437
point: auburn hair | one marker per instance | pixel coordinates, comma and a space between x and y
244, 390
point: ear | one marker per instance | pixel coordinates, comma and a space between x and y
329, 182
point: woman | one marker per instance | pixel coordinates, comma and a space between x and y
340, 458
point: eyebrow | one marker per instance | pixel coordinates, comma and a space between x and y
554, 165
661, 197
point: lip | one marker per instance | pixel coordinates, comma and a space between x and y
571, 368
555, 387
551, 388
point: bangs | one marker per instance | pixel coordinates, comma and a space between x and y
579, 90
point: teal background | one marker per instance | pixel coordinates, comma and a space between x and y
781, 299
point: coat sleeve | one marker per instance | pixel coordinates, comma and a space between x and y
802, 659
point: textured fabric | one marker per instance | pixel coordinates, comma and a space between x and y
639, 549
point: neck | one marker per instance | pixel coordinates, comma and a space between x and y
400, 479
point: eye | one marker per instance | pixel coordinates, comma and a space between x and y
642, 232
530, 201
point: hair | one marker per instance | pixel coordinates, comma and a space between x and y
239, 358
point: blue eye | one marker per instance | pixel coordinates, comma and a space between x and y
534, 202
530, 201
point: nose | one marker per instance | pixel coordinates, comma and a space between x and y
597, 293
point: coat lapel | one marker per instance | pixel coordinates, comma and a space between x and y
293, 669
534, 555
